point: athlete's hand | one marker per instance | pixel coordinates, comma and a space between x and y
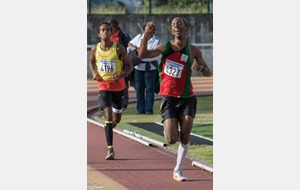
196, 66
150, 26
97, 77
116, 78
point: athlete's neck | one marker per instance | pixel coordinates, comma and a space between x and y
178, 44
105, 45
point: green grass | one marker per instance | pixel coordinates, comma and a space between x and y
204, 114
203, 130
194, 8
202, 152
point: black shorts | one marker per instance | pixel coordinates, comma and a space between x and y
112, 99
172, 107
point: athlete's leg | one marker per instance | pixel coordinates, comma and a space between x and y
116, 117
171, 130
108, 126
104, 100
186, 123
117, 105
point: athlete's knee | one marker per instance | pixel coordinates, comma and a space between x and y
171, 139
185, 139
108, 117
116, 120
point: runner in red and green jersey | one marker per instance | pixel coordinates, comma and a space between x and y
178, 104
176, 70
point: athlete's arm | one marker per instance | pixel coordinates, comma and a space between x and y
93, 65
200, 65
126, 61
143, 52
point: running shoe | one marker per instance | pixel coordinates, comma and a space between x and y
178, 176
110, 154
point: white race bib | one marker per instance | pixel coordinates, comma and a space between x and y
107, 66
173, 69
184, 58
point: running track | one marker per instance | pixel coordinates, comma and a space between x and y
138, 167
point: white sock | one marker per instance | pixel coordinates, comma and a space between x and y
181, 153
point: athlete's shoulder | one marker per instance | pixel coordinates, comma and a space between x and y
192, 47
194, 50
120, 49
119, 46
96, 47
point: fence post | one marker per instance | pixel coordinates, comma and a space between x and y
90, 6
150, 7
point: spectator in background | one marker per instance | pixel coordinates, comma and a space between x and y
106, 63
121, 37
145, 74
178, 104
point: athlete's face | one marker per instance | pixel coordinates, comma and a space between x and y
104, 32
178, 27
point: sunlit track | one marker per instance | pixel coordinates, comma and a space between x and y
196, 81
201, 86
133, 96
196, 87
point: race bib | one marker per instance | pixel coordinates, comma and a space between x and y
184, 58
173, 69
107, 66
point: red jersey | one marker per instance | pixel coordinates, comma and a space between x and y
115, 37
175, 72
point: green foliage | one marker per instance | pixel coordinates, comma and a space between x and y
183, 2
172, 7
114, 9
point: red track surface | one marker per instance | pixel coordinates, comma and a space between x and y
138, 167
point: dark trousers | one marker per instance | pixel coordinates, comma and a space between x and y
145, 90
125, 99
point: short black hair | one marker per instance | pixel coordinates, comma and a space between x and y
106, 24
